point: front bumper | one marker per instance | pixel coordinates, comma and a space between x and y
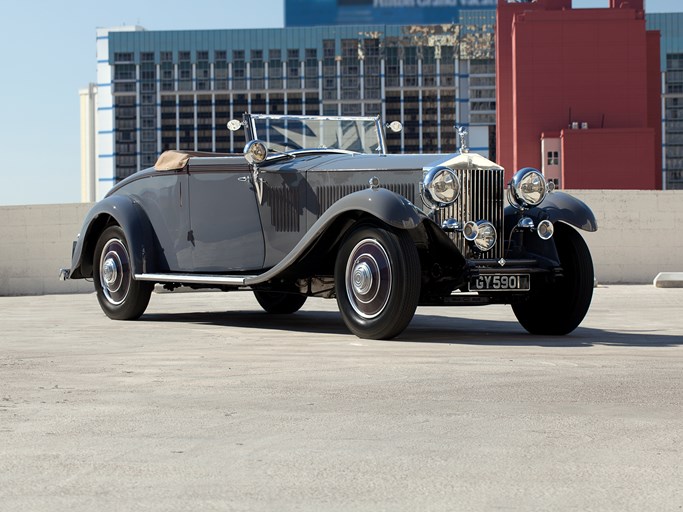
462, 296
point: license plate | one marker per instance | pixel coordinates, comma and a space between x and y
500, 283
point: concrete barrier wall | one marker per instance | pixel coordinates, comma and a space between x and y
35, 242
640, 234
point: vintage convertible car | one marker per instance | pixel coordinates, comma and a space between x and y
316, 208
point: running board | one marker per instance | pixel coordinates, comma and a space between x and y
193, 279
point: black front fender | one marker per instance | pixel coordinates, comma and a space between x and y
557, 207
389, 207
382, 204
562, 207
128, 214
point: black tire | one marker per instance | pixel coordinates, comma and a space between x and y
280, 303
120, 296
558, 308
377, 280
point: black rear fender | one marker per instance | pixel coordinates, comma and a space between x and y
125, 212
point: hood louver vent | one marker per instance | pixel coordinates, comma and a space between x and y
328, 195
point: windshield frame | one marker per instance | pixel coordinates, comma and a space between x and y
251, 132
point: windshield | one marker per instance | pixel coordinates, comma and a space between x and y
292, 133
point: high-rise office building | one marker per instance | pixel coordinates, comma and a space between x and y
159, 90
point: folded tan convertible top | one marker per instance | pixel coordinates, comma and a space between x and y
173, 160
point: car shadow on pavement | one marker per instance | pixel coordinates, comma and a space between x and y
463, 331
425, 329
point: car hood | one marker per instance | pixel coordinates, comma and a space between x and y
355, 162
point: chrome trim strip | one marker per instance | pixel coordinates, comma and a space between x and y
193, 279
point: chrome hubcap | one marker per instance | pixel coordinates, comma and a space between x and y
115, 275
109, 271
362, 278
368, 278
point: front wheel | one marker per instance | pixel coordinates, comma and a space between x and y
120, 296
377, 279
558, 308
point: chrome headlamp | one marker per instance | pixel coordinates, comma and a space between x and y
481, 233
527, 189
440, 187
255, 152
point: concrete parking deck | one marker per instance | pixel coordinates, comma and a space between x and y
207, 403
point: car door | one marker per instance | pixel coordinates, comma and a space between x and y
225, 228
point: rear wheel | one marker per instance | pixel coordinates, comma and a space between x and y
279, 303
558, 308
377, 279
119, 295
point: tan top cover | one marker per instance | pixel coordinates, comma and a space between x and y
173, 160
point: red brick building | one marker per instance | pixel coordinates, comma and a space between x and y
579, 93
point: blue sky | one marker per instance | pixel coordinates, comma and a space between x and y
48, 53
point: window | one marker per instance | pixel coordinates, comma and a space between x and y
275, 68
553, 158
311, 68
293, 68
239, 70
123, 57
674, 61
328, 48
184, 71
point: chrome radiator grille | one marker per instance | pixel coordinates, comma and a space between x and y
481, 198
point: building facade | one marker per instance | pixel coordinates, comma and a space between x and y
579, 93
167, 90
670, 26
158, 90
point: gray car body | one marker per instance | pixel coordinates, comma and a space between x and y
206, 218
